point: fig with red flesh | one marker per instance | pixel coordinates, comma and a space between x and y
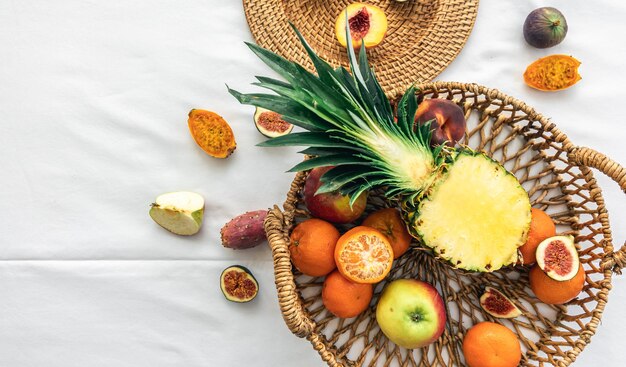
271, 124
558, 258
498, 305
238, 284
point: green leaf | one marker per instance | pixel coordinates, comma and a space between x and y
310, 139
344, 75
352, 59
325, 161
324, 70
289, 109
355, 195
305, 123
319, 151
267, 80
407, 106
279, 64
333, 181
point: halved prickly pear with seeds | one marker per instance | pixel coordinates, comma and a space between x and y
558, 258
498, 305
238, 284
245, 230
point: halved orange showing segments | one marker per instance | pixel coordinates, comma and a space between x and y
364, 255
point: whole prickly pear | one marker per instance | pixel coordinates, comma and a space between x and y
244, 231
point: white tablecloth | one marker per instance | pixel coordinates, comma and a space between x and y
94, 97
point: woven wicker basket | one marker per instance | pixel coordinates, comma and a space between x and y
425, 34
558, 178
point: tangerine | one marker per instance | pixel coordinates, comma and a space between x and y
552, 291
312, 247
488, 344
390, 223
364, 255
541, 227
345, 298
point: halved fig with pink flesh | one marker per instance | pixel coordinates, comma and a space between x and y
498, 305
558, 258
238, 284
271, 124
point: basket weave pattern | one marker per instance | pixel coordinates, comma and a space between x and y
558, 178
423, 37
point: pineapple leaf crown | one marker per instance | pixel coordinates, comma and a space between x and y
349, 123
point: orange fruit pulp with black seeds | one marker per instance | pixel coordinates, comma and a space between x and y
212, 133
364, 255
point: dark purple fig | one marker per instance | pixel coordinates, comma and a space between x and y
545, 27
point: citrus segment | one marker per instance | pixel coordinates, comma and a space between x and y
364, 255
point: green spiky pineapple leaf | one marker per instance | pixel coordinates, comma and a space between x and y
349, 119
350, 124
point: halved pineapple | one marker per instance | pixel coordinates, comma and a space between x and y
474, 213
476, 216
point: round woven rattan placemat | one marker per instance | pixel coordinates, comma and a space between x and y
558, 178
423, 36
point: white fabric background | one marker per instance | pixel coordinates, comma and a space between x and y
94, 97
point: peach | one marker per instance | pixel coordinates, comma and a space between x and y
448, 120
368, 25
332, 206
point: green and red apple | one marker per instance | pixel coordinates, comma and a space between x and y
411, 313
333, 206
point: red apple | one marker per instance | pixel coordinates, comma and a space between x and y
448, 121
411, 313
332, 206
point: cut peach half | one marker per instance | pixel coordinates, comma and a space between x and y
368, 24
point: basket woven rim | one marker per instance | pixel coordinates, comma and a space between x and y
290, 302
421, 59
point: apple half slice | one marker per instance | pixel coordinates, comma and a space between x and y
179, 212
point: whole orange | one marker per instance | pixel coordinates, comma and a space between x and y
541, 227
553, 291
345, 298
390, 223
312, 247
488, 344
